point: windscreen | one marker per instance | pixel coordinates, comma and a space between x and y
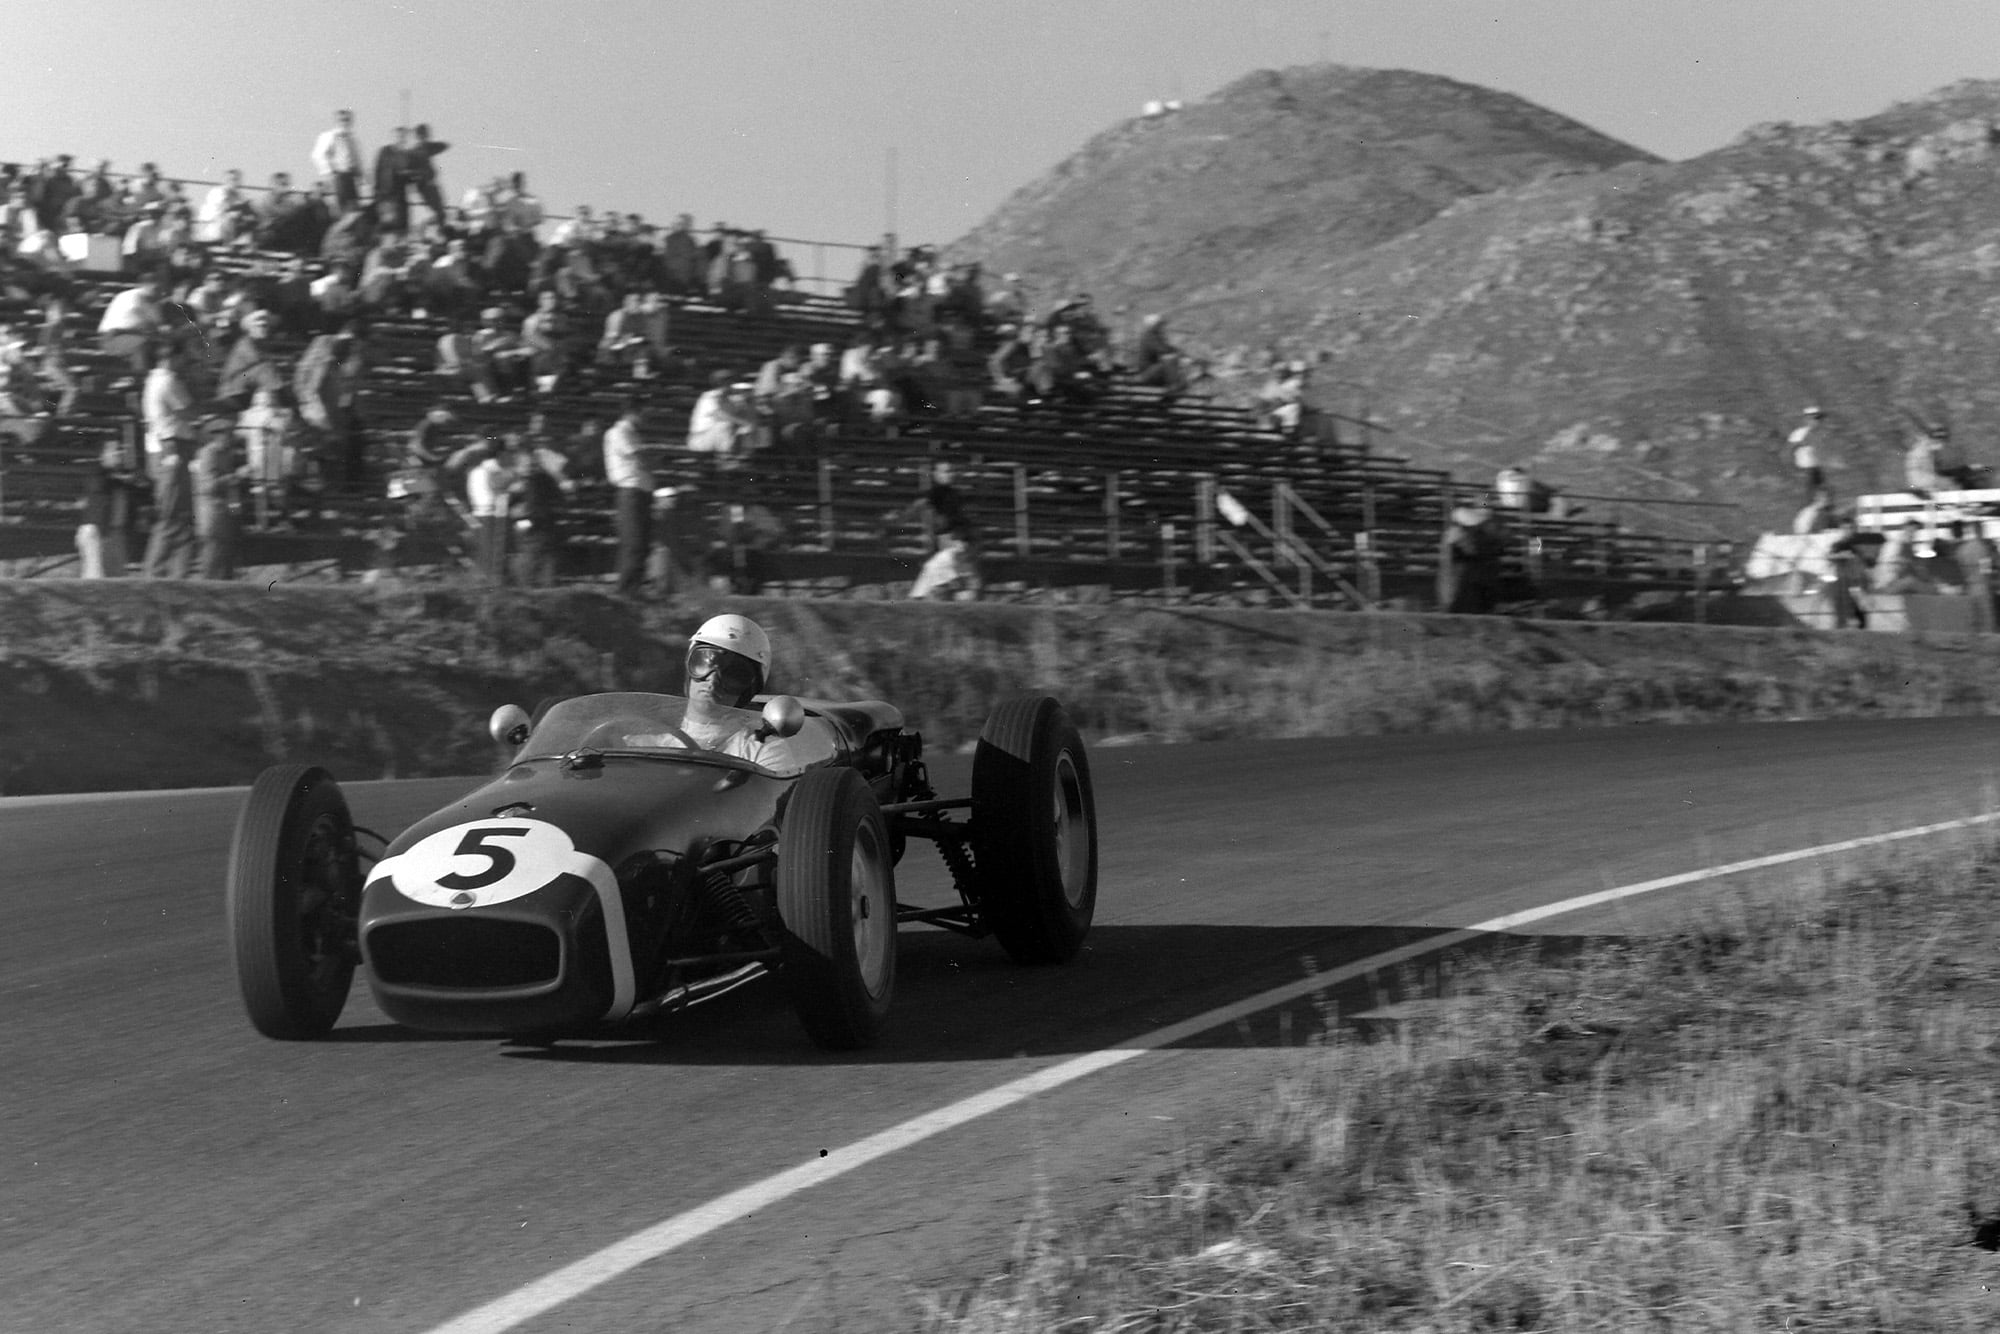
643, 723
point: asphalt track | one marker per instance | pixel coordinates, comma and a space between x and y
163, 1168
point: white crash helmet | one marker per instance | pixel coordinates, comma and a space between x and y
740, 636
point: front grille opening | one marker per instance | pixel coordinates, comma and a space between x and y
467, 952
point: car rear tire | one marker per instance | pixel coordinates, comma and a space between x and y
1034, 831
836, 885
294, 894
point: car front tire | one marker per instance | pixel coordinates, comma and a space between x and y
294, 893
836, 888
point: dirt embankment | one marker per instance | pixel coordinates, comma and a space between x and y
131, 685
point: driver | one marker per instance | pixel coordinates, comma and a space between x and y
727, 659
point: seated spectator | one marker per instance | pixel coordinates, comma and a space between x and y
625, 343
460, 361
98, 208
1281, 403
132, 320
336, 294
385, 274
1156, 361
448, 283
821, 376
724, 424
784, 398
1079, 315
1010, 368
19, 219
226, 214
1064, 372
348, 241
546, 334
505, 358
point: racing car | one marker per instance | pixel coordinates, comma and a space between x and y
622, 865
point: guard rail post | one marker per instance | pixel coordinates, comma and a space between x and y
1204, 520
1168, 563
1023, 539
826, 535
1700, 558
1111, 533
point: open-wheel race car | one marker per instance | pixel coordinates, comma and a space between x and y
638, 855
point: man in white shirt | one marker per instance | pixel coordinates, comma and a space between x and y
131, 321
337, 158
627, 469
486, 494
168, 405
1805, 454
222, 211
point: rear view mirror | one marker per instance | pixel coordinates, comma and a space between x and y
783, 716
509, 724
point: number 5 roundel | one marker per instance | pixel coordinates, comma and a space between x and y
482, 863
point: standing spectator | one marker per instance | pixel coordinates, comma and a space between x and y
217, 475
1976, 563
487, 487
953, 568
252, 363
539, 495
627, 470
326, 384
167, 406
1469, 563
420, 170
1012, 362
337, 158
545, 333
681, 267
391, 202
1849, 577
109, 514
132, 320
170, 549
1805, 454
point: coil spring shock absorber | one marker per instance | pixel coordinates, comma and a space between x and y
719, 892
957, 856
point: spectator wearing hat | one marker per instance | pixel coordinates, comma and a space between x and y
336, 156
1469, 562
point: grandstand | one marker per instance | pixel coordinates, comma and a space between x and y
1139, 494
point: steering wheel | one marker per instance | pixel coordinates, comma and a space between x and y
624, 733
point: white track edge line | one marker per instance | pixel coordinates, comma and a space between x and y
575, 1279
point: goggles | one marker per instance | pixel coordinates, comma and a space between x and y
734, 674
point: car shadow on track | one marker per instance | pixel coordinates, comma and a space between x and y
963, 1000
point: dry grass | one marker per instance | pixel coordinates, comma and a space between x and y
1789, 1124
126, 684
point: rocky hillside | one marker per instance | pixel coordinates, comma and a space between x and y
1619, 323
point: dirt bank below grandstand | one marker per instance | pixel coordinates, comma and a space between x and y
125, 684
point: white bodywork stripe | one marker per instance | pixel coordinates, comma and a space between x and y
594, 1270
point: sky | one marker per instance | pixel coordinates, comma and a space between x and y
836, 120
